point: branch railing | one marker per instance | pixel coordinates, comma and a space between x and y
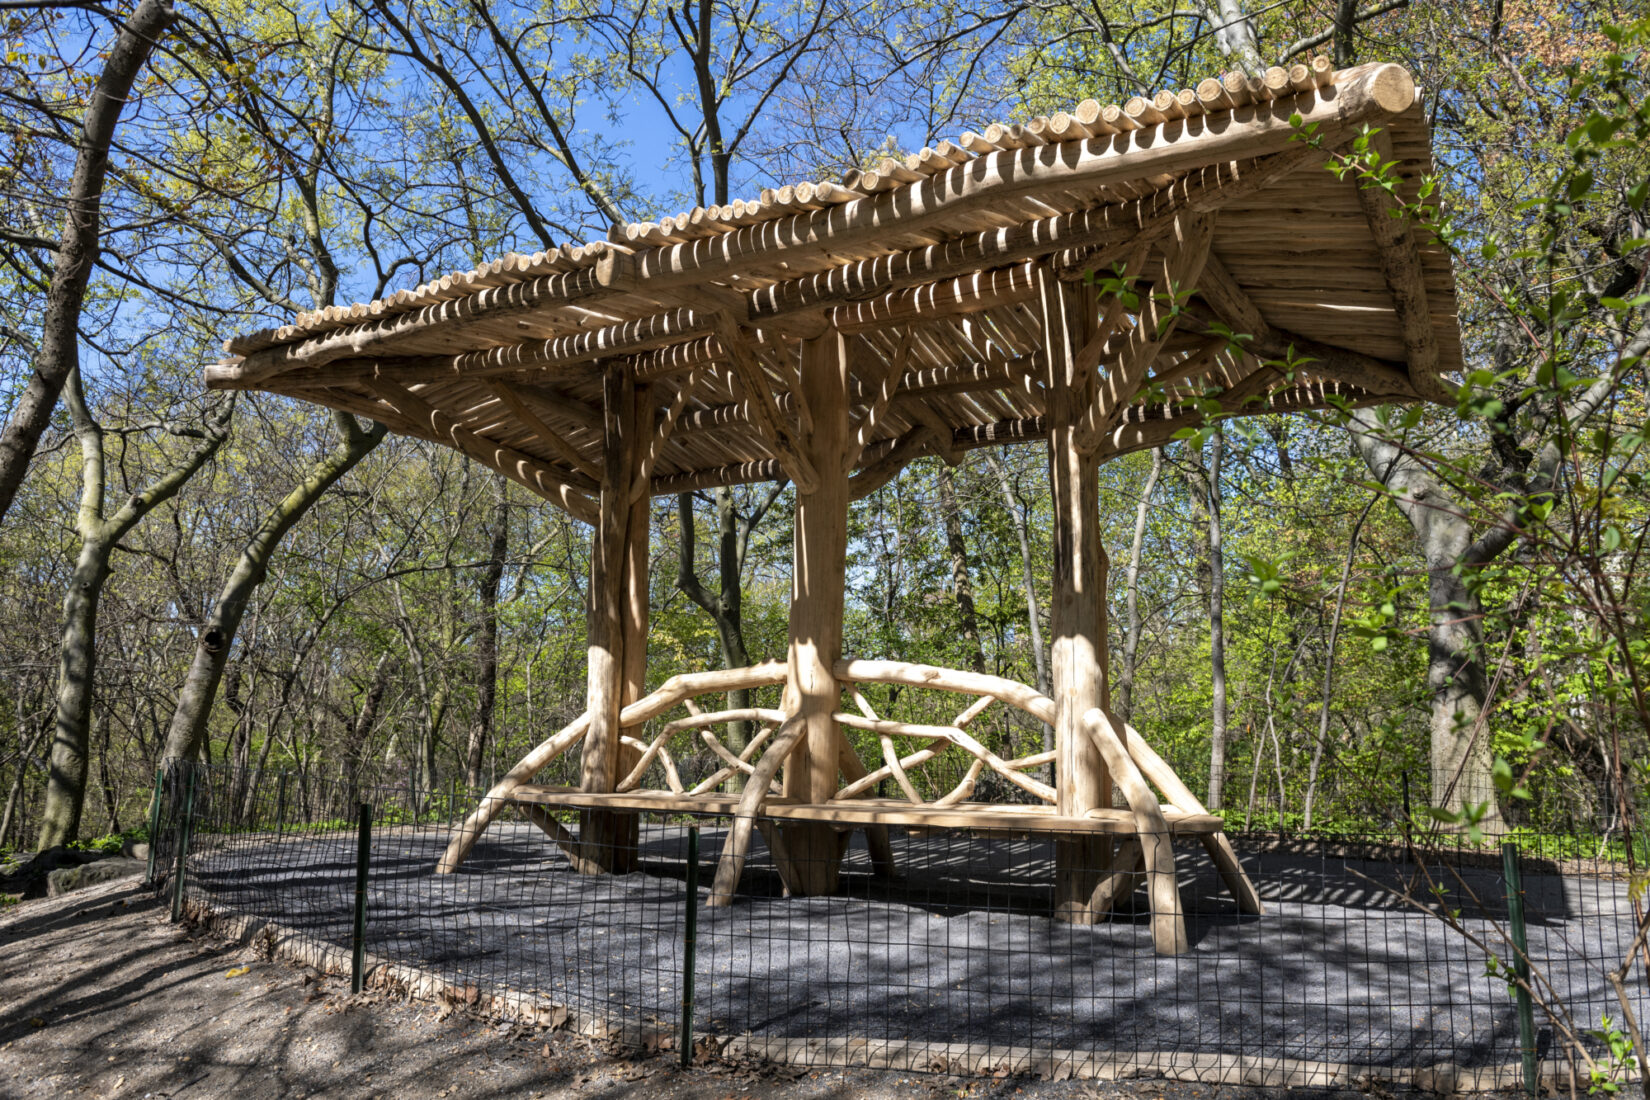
1134, 766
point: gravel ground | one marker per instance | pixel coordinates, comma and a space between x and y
100, 997
960, 948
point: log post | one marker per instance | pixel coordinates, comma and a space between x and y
821, 548
608, 839
1070, 314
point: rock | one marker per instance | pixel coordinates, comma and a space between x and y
1443, 1078
135, 849
64, 879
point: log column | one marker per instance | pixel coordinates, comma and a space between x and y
1070, 315
817, 574
618, 611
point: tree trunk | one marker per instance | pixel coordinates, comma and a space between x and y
1022, 531
487, 643
1234, 32
962, 586
1217, 629
1461, 748
1329, 668
187, 731
76, 666
1123, 697
355, 750
58, 352
1203, 486
77, 660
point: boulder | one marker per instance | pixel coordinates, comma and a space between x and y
64, 879
135, 849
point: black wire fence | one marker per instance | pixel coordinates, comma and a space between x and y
1379, 957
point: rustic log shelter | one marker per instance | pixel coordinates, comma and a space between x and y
829, 333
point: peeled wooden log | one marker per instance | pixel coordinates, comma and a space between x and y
734, 850
564, 489
611, 272
738, 763
1168, 918
668, 695
1180, 796
1012, 692
1368, 95
494, 801
718, 777
885, 728
870, 779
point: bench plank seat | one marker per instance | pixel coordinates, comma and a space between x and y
979, 816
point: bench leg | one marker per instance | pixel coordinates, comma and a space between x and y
556, 831
814, 853
608, 841
777, 848
882, 851
1081, 864
1168, 918
1117, 885
1232, 873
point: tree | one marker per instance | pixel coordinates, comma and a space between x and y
100, 533
216, 638
1123, 696
75, 251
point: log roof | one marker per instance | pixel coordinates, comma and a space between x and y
927, 266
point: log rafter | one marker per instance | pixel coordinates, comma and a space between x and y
569, 489
1405, 276
759, 397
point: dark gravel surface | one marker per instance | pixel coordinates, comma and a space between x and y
961, 948
101, 997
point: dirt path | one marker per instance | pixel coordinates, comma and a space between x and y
101, 997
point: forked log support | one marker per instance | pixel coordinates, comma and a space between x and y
669, 694
737, 845
1180, 796
1156, 843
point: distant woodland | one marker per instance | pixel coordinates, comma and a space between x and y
1306, 611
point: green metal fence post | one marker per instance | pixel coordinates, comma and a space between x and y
154, 826
690, 936
185, 824
1521, 962
358, 935
280, 807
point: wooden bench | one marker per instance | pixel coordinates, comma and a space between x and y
862, 812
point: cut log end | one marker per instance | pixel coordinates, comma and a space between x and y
1392, 88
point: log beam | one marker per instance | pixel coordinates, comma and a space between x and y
606, 838
1405, 278
766, 417
817, 575
1238, 312
1182, 253
568, 490
534, 423
1070, 315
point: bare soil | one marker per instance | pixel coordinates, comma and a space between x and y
101, 997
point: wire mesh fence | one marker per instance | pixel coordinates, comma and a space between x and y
1371, 958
